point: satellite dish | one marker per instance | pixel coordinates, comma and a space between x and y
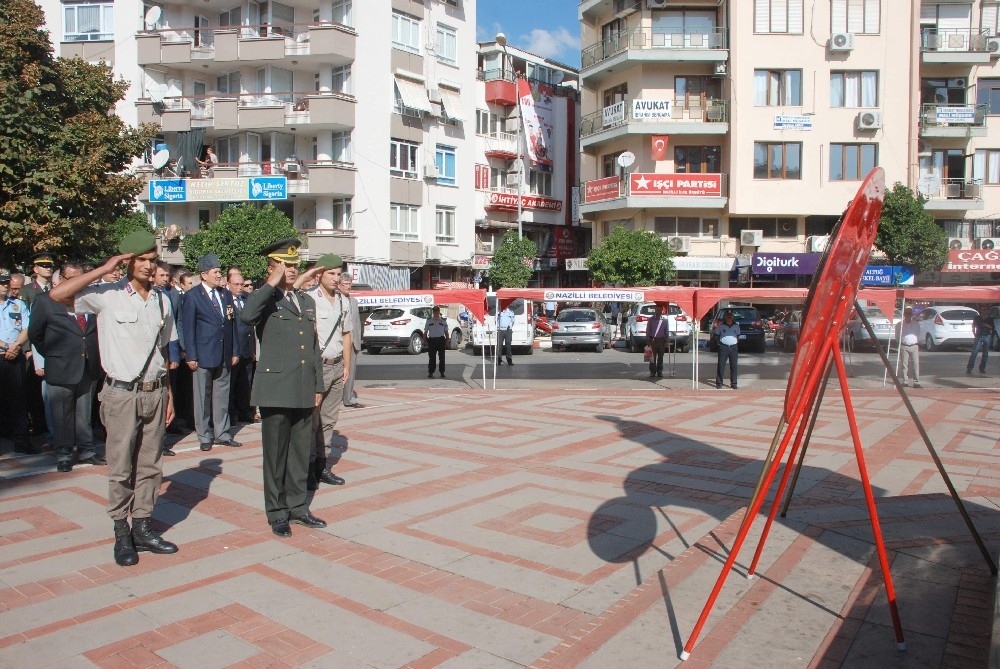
557, 77
157, 92
626, 159
160, 158
170, 232
152, 16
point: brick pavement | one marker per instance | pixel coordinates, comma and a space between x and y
523, 529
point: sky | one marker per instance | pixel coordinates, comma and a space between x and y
548, 28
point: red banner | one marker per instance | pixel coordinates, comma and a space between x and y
482, 177
675, 185
607, 188
508, 202
973, 260
659, 147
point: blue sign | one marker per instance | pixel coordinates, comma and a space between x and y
168, 190
268, 188
887, 275
784, 263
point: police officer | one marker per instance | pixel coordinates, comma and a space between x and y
436, 338
136, 325
288, 385
728, 332
13, 342
334, 322
505, 334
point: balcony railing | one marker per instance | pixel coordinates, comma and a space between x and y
701, 111
560, 90
954, 39
952, 189
953, 115
290, 167
652, 38
294, 102
501, 142
202, 39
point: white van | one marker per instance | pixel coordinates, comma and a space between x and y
522, 334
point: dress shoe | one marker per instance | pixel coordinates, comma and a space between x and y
206, 447
510, 362
442, 375
228, 441
430, 375
145, 539
281, 528
308, 520
330, 478
95, 459
125, 553
355, 405
64, 466
168, 451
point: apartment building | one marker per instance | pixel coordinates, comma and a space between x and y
543, 193
740, 130
354, 118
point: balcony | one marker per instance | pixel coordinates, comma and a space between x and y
594, 10
329, 43
342, 242
951, 194
953, 120
500, 88
656, 117
656, 191
221, 182
957, 45
327, 111
657, 45
503, 145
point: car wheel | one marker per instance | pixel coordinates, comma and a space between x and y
600, 346
929, 344
995, 342
684, 348
416, 346
456, 339
761, 346
632, 345
477, 350
790, 344
529, 350
374, 350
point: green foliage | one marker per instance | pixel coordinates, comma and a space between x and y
63, 151
908, 235
117, 230
632, 258
237, 237
509, 268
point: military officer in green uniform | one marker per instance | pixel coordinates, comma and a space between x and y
288, 385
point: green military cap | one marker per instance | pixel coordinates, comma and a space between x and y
285, 250
330, 261
137, 243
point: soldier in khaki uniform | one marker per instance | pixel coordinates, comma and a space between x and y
288, 385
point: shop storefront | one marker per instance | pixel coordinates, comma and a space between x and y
704, 271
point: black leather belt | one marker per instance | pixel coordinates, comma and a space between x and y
333, 361
146, 387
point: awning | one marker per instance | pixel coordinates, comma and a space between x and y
451, 102
703, 264
413, 94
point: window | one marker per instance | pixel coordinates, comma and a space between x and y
541, 73
852, 162
444, 225
228, 84
156, 214
341, 82
777, 16
228, 149
498, 177
343, 12
403, 222
693, 92
777, 160
691, 226
989, 18
341, 217
405, 32
447, 44
988, 93
697, 159
854, 89
615, 94
230, 17
89, 22
341, 150
482, 122
403, 159
203, 35
943, 91
540, 183
986, 166
777, 88
771, 227
861, 17
444, 158
609, 164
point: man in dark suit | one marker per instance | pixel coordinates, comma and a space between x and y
246, 345
68, 343
210, 345
288, 386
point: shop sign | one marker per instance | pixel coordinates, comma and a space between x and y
509, 201
703, 264
655, 109
793, 122
593, 295
675, 185
972, 260
218, 190
785, 263
608, 188
887, 275
613, 114
395, 300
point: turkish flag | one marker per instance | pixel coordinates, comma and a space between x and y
659, 147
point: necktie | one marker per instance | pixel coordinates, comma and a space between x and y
215, 300
291, 298
81, 320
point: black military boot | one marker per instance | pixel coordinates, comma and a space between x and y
145, 539
325, 475
125, 554
311, 482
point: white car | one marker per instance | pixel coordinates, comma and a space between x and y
680, 326
858, 336
403, 327
946, 326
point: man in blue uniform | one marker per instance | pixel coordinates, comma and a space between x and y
13, 342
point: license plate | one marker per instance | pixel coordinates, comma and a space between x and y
882, 326
743, 337
574, 328
381, 327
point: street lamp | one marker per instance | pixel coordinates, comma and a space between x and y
501, 41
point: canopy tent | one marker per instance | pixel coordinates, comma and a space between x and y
472, 299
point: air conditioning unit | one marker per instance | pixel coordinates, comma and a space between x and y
656, 4
958, 243
817, 244
842, 42
510, 125
993, 46
988, 243
513, 179
432, 253
434, 95
679, 244
719, 70
751, 237
431, 171
869, 120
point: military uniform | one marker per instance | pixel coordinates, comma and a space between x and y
13, 322
289, 374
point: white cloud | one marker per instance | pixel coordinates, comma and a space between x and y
550, 43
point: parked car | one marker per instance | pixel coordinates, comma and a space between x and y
994, 313
786, 331
581, 327
403, 327
680, 326
857, 336
751, 329
946, 326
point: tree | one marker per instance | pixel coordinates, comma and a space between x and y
513, 262
237, 237
117, 231
908, 235
632, 258
63, 151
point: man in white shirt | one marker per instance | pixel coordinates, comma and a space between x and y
909, 345
728, 332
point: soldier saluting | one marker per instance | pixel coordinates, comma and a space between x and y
288, 385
